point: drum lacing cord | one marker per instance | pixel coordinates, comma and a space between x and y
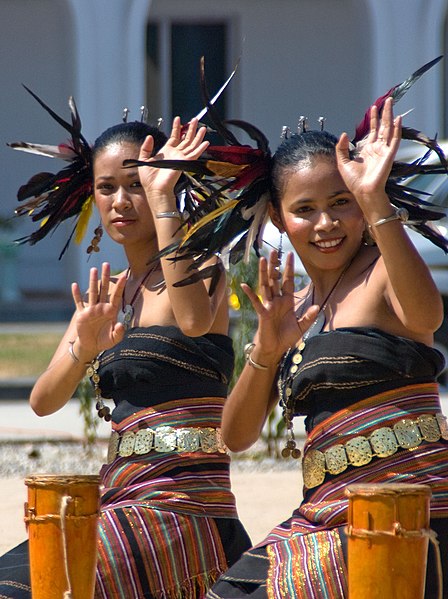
64, 505
399, 531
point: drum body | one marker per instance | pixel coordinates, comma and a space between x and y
62, 520
387, 540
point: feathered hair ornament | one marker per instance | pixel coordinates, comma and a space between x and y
52, 198
228, 188
226, 196
422, 212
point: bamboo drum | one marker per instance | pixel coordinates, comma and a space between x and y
387, 540
61, 515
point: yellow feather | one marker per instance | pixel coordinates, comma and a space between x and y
209, 217
225, 169
83, 221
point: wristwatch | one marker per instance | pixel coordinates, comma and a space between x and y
399, 214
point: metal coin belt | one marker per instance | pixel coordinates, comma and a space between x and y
165, 439
381, 443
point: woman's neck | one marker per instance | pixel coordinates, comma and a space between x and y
139, 259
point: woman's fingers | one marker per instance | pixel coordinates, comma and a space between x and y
146, 148
93, 286
274, 274
175, 131
288, 275
117, 292
105, 281
77, 296
253, 297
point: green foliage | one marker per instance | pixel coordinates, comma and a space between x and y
87, 411
243, 327
243, 320
273, 433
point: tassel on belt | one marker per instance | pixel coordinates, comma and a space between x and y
164, 439
381, 443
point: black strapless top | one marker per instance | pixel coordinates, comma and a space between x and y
156, 364
346, 365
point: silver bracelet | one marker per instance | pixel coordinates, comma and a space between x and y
71, 351
399, 214
172, 214
248, 349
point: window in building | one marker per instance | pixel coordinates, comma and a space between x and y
174, 50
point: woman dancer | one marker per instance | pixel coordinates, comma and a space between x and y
168, 523
352, 351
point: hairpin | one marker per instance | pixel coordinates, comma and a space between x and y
321, 120
143, 114
286, 131
301, 127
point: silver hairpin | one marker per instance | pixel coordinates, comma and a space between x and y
286, 131
143, 114
301, 127
321, 120
159, 122
125, 115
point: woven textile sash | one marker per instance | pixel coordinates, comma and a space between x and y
157, 536
189, 483
309, 539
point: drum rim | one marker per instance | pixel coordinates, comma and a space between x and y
367, 490
62, 479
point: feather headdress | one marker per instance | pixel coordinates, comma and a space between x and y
229, 188
52, 198
402, 195
226, 195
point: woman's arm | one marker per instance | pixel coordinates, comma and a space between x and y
193, 308
254, 394
409, 287
93, 328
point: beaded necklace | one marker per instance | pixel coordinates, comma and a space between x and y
294, 356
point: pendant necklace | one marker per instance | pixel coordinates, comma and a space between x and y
294, 355
126, 313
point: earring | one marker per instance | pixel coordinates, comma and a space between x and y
367, 238
94, 244
280, 250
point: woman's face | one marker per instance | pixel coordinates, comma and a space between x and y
320, 216
119, 195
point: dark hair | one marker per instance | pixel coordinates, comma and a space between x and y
299, 148
133, 132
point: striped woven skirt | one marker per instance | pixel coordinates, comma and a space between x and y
165, 516
305, 557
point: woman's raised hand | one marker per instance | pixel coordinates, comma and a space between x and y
278, 326
183, 144
96, 313
366, 175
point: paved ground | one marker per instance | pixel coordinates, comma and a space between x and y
264, 498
